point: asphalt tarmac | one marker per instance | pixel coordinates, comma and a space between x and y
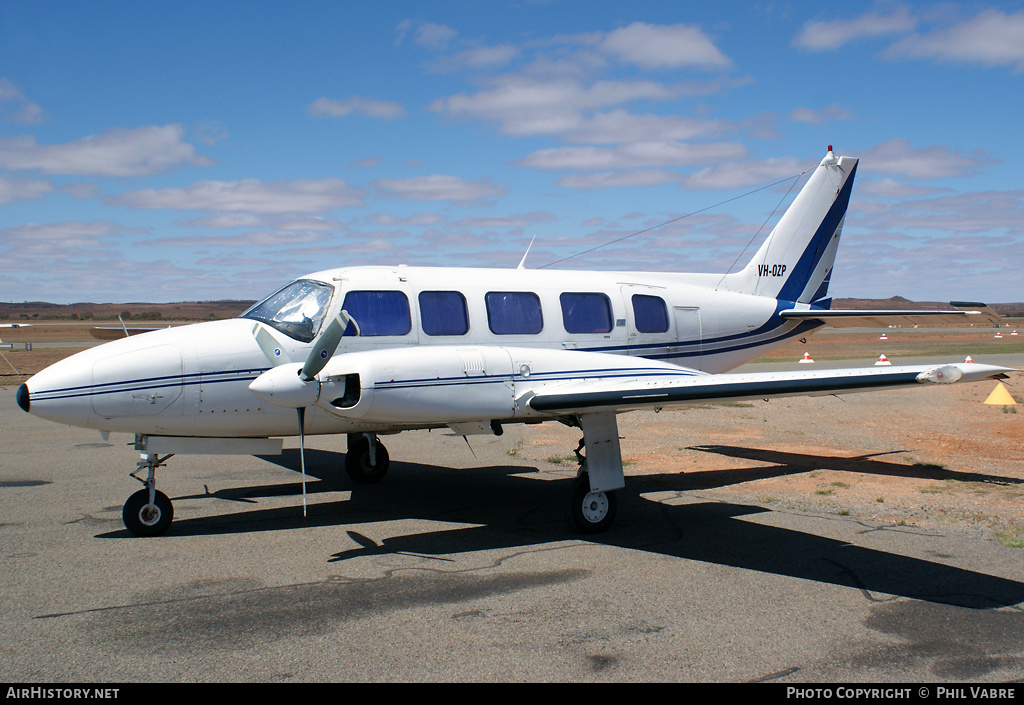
459, 566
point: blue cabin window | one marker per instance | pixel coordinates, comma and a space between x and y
514, 313
443, 313
650, 314
586, 313
378, 312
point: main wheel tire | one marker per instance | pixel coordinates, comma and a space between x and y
357, 462
590, 512
145, 519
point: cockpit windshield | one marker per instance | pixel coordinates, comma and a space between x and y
297, 310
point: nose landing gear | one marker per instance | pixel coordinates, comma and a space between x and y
149, 511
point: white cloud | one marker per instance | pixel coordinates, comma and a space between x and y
992, 38
818, 35
523, 220
24, 110
484, 57
739, 174
898, 157
226, 220
819, 117
890, 188
249, 240
120, 152
985, 212
663, 46
633, 155
434, 36
17, 190
439, 187
526, 106
330, 107
364, 163
248, 196
617, 126
42, 240
618, 179
417, 220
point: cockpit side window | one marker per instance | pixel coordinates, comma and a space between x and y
379, 312
297, 310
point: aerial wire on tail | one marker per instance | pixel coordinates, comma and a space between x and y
795, 178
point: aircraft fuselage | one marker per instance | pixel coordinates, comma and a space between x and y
194, 380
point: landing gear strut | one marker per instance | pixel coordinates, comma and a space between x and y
366, 460
148, 512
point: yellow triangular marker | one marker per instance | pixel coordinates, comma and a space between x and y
1001, 396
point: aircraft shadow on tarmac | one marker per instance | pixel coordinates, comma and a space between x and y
502, 507
789, 463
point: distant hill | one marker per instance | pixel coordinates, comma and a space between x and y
211, 310
136, 311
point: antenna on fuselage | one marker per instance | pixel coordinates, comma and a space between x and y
522, 262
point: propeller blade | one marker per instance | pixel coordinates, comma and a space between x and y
326, 344
302, 453
273, 350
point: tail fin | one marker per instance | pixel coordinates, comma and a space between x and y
795, 262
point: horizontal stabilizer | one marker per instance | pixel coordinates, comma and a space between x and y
963, 313
115, 333
701, 389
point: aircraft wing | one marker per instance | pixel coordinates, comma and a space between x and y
588, 396
963, 312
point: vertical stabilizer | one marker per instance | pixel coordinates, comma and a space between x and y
795, 262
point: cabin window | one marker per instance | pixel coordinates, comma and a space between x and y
378, 312
586, 313
650, 314
514, 313
297, 310
443, 313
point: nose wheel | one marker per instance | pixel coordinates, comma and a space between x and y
149, 511
143, 517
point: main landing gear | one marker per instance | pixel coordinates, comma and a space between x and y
366, 460
587, 511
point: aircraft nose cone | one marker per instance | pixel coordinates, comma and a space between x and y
22, 397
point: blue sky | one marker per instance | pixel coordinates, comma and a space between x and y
207, 150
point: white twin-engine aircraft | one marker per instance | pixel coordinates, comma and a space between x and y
367, 351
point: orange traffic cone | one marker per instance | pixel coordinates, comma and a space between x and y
806, 358
883, 336
968, 359
883, 360
1001, 395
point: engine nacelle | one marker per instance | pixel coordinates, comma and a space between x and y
420, 385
